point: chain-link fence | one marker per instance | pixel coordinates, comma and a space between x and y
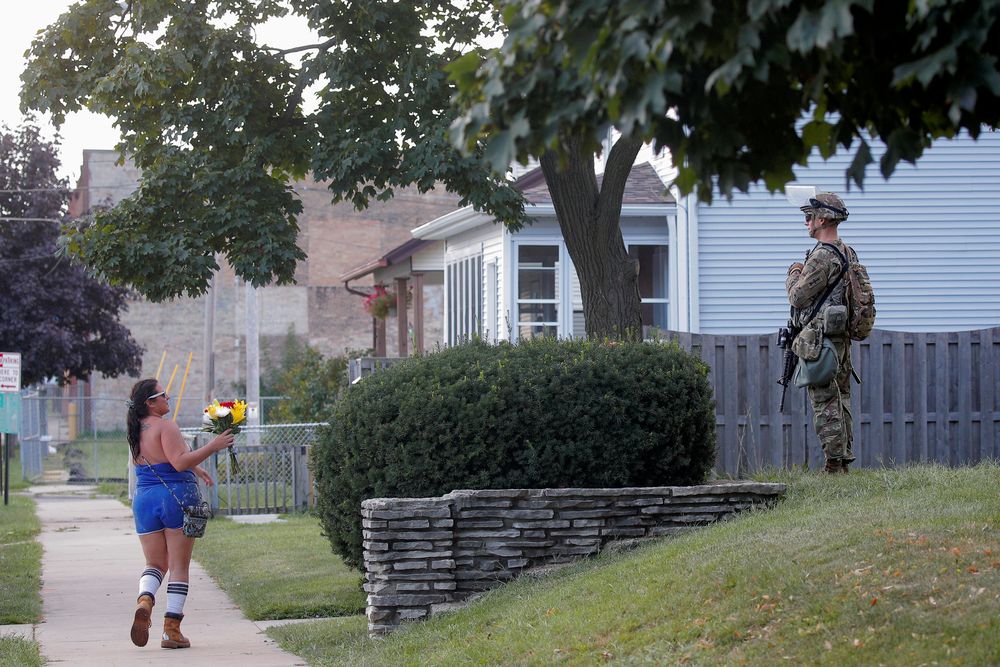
68, 436
61, 440
71, 438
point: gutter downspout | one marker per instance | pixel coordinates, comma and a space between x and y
375, 345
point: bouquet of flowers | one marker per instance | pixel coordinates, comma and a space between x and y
226, 415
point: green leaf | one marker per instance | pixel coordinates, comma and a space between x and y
856, 171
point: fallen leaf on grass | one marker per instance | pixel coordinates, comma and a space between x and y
972, 569
827, 645
857, 643
873, 602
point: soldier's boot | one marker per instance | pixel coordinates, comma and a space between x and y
843, 466
141, 621
172, 637
833, 466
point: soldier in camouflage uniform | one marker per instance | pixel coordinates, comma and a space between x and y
805, 284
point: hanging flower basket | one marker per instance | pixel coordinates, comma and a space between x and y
382, 302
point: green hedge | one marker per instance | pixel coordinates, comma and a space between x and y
544, 413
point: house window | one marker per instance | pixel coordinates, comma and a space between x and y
653, 272
537, 291
464, 285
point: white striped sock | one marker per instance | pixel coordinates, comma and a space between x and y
177, 592
149, 581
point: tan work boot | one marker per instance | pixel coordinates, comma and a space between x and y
833, 466
172, 637
142, 622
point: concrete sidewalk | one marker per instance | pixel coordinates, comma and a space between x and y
90, 570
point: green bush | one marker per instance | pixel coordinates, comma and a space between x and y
306, 381
543, 413
311, 382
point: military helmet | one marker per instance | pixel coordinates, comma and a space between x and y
828, 206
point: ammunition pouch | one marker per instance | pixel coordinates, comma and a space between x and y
835, 321
809, 343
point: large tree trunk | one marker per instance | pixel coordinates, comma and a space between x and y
590, 220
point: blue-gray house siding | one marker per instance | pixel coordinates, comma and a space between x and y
930, 237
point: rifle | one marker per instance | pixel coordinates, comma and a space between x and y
785, 337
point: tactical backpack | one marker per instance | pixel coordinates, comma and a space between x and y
858, 295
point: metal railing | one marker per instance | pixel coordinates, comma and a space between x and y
272, 472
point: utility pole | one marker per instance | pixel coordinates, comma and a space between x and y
253, 361
209, 346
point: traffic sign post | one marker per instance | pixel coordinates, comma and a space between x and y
10, 410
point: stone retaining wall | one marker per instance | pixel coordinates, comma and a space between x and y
424, 555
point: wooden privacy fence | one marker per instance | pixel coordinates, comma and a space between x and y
923, 397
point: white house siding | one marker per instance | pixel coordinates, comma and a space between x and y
485, 241
930, 238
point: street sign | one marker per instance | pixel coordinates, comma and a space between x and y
10, 372
10, 413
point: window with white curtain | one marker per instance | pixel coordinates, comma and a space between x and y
537, 290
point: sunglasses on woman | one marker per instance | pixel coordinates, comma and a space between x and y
157, 395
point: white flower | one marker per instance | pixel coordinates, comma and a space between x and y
221, 411
206, 419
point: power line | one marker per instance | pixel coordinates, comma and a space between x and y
27, 259
70, 190
4, 219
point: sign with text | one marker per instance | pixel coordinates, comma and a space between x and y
10, 413
10, 372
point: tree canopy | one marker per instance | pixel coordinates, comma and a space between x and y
63, 322
215, 121
739, 90
726, 85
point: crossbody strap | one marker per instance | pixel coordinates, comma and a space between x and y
833, 285
153, 470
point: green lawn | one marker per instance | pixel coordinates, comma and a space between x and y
18, 652
877, 567
17, 482
280, 570
106, 457
20, 562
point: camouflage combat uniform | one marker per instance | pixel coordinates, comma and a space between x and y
831, 403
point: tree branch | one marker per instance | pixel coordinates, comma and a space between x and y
616, 170
322, 46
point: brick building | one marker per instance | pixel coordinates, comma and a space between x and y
318, 309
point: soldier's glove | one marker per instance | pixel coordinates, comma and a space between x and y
797, 266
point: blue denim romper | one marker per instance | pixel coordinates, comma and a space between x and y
153, 507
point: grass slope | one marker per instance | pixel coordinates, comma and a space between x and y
20, 562
878, 567
280, 570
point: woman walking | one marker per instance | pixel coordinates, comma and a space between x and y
165, 471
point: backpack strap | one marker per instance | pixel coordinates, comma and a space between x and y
832, 286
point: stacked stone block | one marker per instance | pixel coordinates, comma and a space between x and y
424, 555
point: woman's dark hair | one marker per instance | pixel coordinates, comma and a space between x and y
137, 409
